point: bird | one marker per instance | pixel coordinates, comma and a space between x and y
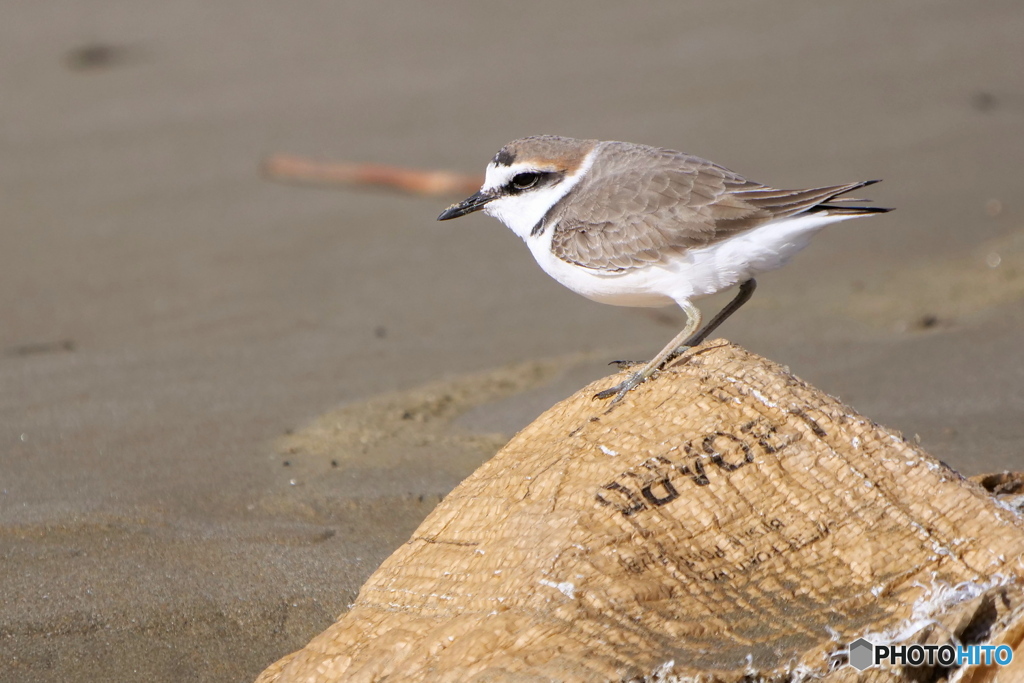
634, 225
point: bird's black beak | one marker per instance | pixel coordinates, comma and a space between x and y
469, 205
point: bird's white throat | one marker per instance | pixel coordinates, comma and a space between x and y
522, 212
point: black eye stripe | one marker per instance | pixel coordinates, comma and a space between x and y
523, 181
527, 180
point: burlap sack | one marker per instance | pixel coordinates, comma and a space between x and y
726, 522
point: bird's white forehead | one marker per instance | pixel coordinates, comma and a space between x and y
499, 175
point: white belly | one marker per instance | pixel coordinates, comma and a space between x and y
700, 272
642, 287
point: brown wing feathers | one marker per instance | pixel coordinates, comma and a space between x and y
631, 219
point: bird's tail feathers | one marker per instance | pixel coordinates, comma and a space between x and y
833, 208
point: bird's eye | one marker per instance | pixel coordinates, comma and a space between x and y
524, 181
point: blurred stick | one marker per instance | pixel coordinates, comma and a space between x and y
294, 169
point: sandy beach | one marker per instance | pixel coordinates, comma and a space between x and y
226, 400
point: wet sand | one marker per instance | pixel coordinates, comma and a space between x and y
225, 401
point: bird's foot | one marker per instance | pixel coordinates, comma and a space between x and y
626, 364
620, 390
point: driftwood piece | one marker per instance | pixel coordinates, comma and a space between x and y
726, 522
429, 183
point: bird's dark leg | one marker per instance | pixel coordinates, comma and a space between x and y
686, 339
674, 347
747, 288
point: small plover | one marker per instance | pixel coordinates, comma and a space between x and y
632, 225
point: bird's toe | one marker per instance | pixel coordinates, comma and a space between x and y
620, 390
626, 364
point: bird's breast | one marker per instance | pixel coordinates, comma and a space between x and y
640, 287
